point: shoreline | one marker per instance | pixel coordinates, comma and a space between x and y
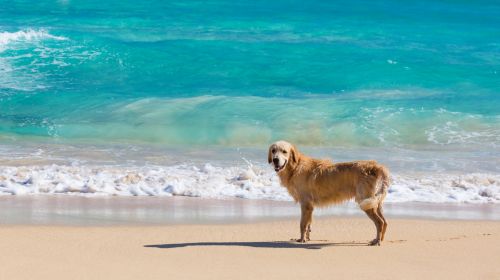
444, 177
67, 210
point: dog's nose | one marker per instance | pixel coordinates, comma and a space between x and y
276, 160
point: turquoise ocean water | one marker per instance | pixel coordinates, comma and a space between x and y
400, 81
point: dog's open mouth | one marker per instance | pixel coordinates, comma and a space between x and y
279, 168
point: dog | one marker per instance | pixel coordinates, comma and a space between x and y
312, 182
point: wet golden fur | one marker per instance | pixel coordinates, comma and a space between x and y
313, 182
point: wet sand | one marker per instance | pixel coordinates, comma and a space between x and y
103, 211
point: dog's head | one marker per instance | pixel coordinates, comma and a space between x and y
281, 154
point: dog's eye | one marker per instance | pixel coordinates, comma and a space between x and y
285, 152
273, 151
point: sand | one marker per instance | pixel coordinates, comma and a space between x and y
414, 249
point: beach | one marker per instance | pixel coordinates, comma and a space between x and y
414, 249
64, 237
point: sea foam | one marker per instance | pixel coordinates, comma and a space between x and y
26, 36
209, 181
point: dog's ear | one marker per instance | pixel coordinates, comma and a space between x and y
294, 154
269, 156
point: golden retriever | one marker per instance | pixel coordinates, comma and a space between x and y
312, 182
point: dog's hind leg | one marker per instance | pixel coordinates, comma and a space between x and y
308, 232
305, 221
379, 223
380, 213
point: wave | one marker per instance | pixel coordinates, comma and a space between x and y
329, 121
30, 59
18, 47
208, 181
440, 127
27, 35
249, 121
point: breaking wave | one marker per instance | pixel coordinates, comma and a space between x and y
208, 181
28, 35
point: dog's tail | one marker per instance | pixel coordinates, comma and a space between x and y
383, 182
382, 185
385, 178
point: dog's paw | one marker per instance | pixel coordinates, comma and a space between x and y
300, 240
374, 242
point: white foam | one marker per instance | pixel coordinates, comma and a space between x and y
27, 35
470, 188
251, 182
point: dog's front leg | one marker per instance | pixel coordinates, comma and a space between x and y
305, 221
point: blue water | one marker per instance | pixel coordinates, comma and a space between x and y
407, 74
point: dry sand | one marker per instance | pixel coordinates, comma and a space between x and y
414, 249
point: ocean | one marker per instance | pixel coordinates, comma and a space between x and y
162, 98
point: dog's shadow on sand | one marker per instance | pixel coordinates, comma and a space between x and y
271, 244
